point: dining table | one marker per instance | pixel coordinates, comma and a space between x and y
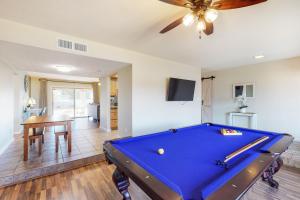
35, 122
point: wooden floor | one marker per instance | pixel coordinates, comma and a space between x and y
94, 182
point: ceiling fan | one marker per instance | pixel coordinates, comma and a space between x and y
204, 12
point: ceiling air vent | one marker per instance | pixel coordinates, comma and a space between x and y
80, 47
65, 44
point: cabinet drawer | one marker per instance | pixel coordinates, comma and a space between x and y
114, 124
114, 115
114, 111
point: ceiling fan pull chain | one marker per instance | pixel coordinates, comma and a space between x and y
200, 35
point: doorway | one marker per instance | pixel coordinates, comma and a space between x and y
207, 99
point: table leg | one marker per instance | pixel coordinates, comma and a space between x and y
34, 133
121, 181
26, 130
69, 129
267, 176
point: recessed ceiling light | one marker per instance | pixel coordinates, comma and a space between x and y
259, 57
64, 68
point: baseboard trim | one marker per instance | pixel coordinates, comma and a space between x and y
6, 146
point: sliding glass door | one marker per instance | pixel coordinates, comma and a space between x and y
71, 101
83, 97
63, 101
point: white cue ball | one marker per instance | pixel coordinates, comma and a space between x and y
161, 151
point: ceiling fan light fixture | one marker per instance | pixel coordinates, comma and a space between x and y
206, 10
211, 15
201, 26
188, 20
188, 5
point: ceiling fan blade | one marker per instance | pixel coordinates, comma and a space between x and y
183, 3
172, 25
232, 4
209, 28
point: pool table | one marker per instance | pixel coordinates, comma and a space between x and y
190, 166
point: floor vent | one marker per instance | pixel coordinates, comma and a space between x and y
80, 47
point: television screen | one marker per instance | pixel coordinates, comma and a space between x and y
181, 90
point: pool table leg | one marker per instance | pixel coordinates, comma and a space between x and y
268, 174
122, 183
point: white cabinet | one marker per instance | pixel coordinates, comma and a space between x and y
245, 120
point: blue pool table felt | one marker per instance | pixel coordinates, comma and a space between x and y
188, 165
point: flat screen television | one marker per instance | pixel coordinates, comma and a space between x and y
180, 90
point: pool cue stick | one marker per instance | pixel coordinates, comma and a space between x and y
245, 148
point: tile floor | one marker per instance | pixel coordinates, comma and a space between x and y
87, 140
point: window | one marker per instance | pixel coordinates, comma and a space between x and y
249, 91
244, 89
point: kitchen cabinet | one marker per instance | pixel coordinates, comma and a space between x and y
114, 118
113, 86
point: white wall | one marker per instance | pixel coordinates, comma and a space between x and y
125, 101
105, 104
151, 112
6, 106
277, 100
20, 101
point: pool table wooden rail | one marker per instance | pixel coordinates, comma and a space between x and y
153, 187
235, 188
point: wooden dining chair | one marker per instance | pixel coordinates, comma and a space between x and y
60, 131
43, 111
39, 135
39, 131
